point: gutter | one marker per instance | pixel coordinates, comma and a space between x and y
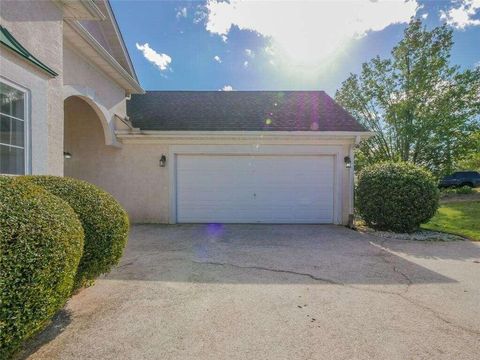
165, 135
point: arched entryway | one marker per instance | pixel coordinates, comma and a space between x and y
86, 135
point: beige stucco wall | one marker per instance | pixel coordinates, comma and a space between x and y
38, 25
130, 173
86, 77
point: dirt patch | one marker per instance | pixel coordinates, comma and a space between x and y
460, 198
449, 198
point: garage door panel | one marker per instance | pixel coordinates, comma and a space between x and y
245, 188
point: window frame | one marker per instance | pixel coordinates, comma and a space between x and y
26, 125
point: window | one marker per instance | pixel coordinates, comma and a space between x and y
13, 130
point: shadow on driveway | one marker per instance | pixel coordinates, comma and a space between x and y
58, 324
274, 254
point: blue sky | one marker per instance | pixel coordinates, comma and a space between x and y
277, 45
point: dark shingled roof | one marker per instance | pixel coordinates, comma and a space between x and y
239, 111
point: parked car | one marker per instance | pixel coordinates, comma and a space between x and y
461, 178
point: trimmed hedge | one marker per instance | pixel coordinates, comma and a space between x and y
104, 222
41, 242
396, 196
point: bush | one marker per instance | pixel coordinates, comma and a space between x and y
104, 221
396, 196
41, 242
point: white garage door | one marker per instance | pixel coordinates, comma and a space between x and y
254, 189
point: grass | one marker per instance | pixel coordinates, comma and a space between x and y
459, 218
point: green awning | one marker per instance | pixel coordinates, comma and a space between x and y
9, 41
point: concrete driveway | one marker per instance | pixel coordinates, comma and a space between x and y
274, 292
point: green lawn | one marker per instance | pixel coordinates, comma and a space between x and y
461, 218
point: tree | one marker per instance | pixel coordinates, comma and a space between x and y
422, 109
472, 160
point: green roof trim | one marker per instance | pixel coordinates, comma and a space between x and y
9, 41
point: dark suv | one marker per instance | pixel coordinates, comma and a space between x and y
461, 178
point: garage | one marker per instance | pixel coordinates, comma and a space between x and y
254, 188
269, 157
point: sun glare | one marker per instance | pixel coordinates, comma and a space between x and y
307, 32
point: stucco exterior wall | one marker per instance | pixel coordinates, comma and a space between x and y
82, 77
78, 71
130, 173
38, 26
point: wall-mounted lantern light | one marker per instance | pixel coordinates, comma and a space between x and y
163, 161
348, 162
67, 155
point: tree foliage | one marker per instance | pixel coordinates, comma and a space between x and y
422, 109
472, 160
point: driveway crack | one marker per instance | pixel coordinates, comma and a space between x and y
291, 272
333, 282
438, 316
384, 254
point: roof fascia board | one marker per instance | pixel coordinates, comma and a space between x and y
120, 37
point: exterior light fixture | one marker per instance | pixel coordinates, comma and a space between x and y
163, 161
348, 162
67, 155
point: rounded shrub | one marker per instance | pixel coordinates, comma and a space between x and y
396, 196
104, 222
41, 242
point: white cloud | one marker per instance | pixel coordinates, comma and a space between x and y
217, 59
227, 88
199, 15
250, 53
463, 14
310, 30
424, 16
181, 12
245, 64
162, 61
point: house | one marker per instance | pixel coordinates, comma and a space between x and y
167, 156
55, 55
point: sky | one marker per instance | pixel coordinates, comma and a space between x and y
278, 44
